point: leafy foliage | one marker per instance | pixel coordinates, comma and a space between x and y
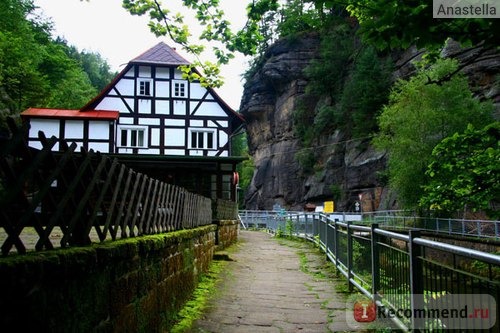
385, 24
394, 24
246, 168
464, 172
419, 115
365, 92
352, 83
37, 71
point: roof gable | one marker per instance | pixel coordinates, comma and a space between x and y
161, 53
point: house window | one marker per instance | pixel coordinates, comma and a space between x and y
134, 137
179, 89
202, 140
144, 87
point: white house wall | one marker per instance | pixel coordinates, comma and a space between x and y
90, 134
167, 120
209, 109
116, 104
49, 127
73, 129
99, 130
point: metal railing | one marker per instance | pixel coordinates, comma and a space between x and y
398, 270
388, 219
405, 220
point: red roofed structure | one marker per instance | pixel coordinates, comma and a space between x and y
60, 113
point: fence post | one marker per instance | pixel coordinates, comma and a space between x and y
349, 256
375, 263
305, 225
326, 236
336, 246
416, 280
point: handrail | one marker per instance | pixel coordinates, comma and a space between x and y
394, 219
462, 251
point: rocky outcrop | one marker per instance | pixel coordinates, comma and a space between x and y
269, 99
348, 170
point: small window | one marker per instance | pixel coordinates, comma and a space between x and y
202, 140
133, 137
179, 89
145, 87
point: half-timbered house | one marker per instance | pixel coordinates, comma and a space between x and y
155, 121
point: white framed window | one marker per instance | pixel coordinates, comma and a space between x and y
180, 88
202, 139
144, 87
133, 136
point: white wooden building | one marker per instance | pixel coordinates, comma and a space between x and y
156, 121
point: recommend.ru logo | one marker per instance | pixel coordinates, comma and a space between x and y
446, 311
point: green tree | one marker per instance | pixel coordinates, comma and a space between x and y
245, 169
418, 116
386, 24
464, 172
365, 92
395, 24
20, 81
38, 71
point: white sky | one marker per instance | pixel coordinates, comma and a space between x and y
104, 27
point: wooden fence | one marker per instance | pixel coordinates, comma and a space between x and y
81, 192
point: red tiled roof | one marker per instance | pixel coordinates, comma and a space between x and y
161, 53
59, 113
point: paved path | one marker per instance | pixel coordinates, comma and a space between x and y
264, 290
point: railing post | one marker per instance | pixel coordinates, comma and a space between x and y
326, 236
416, 280
336, 246
349, 256
305, 225
375, 263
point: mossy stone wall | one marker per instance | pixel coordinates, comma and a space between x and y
227, 233
130, 285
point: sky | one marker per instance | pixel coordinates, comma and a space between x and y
104, 27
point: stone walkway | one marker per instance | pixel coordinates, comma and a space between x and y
264, 290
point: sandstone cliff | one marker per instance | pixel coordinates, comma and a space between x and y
351, 169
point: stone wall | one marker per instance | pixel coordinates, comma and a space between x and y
130, 285
227, 233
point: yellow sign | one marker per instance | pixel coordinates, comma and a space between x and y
328, 207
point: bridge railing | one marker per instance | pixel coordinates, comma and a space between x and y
74, 195
403, 270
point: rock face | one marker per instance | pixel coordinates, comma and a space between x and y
350, 170
268, 101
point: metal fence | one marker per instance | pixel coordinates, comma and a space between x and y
398, 270
388, 219
406, 220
